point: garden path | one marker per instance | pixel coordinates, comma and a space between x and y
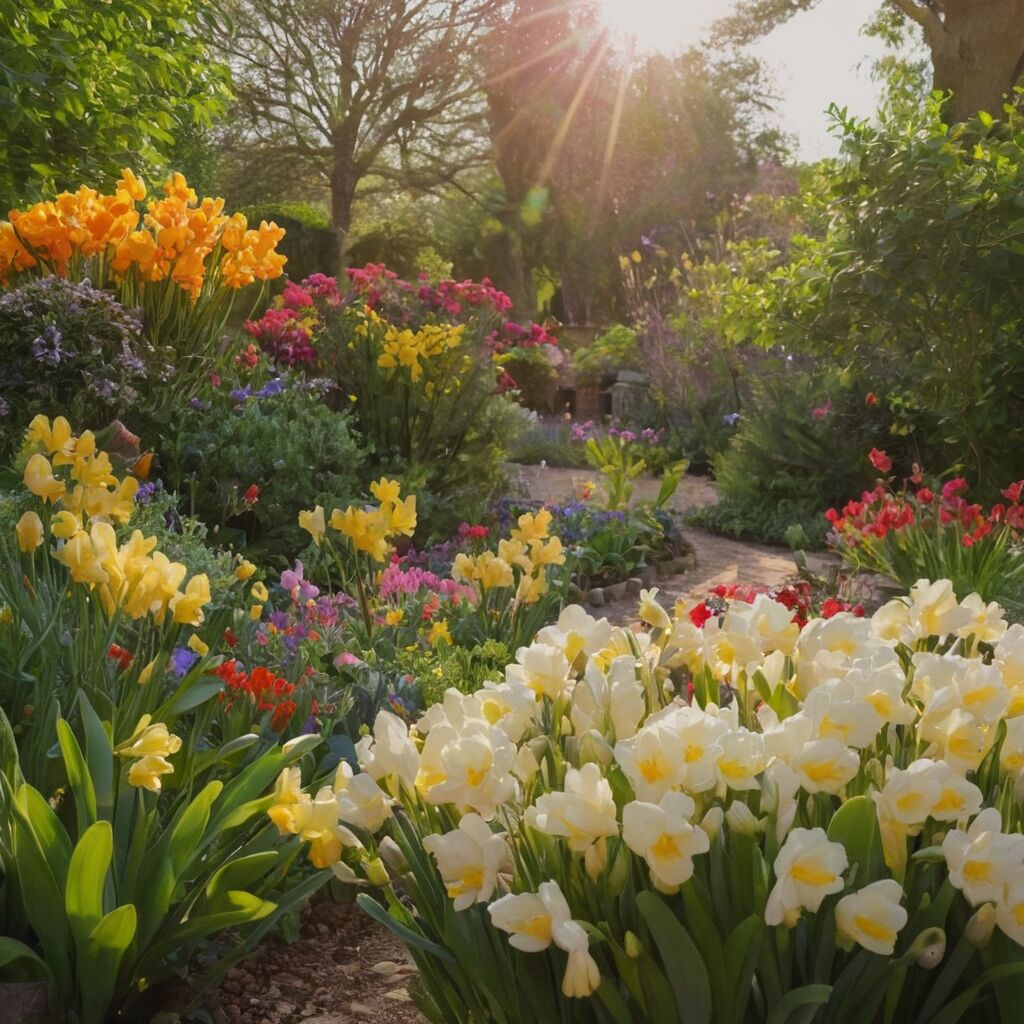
719, 559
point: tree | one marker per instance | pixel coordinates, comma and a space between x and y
87, 87
976, 46
362, 96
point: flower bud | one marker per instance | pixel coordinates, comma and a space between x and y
929, 948
376, 873
712, 822
741, 819
619, 874
634, 947
526, 765
595, 857
594, 747
391, 853
979, 928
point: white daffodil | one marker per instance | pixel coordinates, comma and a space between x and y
741, 760
470, 767
511, 706
987, 622
651, 761
872, 917
583, 813
535, 920
825, 766
1010, 908
808, 868
934, 610
663, 835
389, 751
651, 612
576, 632
611, 703
840, 713
984, 858
360, 800
472, 859
543, 668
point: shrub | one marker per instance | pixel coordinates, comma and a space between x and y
278, 435
914, 283
66, 345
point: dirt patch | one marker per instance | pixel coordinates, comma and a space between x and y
344, 969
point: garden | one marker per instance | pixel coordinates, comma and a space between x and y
490, 530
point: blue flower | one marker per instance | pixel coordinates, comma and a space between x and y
182, 660
272, 387
730, 419
241, 394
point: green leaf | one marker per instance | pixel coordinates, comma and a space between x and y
87, 878
99, 754
855, 826
953, 1011
101, 963
12, 951
799, 1005
237, 873
691, 987
407, 935
78, 776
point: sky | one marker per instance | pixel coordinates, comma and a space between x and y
817, 57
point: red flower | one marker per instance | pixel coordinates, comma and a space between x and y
880, 460
822, 411
1013, 492
252, 494
282, 715
121, 656
229, 638
925, 496
700, 614
951, 488
871, 398
215, 379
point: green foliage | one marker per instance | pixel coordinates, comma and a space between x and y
614, 350
916, 282
293, 446
795, 521
117, 887
802, 437
465, 668
89, 87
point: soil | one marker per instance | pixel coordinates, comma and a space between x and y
344, 969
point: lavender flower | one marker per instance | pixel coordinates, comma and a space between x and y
46, 348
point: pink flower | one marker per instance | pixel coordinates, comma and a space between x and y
880, 460
822, 411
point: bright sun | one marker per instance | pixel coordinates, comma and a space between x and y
650, 25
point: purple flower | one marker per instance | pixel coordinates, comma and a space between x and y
272, 387
182, 660
147, 491
730, 419
297, 585
46, 348
241, 394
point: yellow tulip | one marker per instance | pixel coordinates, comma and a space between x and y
312, 521
386, 491
187, 607
65, 524
197, 645
259, 591
29, 529
39, 479
79, 556
145, 773
245, 569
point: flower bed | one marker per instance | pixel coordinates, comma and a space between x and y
750, 818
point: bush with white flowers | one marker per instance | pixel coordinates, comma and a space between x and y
741, 821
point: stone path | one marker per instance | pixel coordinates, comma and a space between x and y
719, 559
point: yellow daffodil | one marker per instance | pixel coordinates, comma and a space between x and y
197, 645
312, 521
29, 531
244, 570
259, 591
39, 479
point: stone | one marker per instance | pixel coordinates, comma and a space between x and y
633, 586
648, 576
24, 1002
596, 597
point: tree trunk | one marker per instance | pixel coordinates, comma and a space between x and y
344, 178
978, 55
